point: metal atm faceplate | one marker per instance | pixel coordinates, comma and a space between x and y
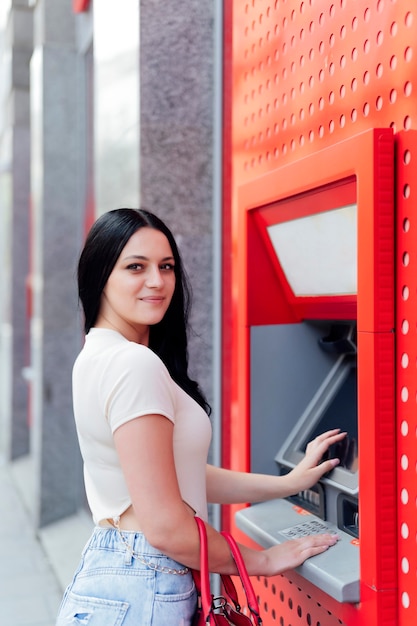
335, 571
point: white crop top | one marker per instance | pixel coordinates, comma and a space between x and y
114, 381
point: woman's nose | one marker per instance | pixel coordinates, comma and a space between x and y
154, 277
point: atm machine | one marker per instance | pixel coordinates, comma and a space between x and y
327, 401
314, 333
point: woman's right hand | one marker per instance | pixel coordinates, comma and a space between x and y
294, 552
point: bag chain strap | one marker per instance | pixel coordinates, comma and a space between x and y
157, 568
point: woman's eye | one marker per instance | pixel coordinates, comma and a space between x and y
167, 267
135, 266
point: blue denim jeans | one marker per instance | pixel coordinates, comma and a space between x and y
110, 588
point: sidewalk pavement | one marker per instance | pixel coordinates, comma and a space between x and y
34, 568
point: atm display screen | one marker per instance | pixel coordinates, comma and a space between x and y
341, 412
334, 405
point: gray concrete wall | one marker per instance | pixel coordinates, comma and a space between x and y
56, 111
176, 147
14, 207
149, 74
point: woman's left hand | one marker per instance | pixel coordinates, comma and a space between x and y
312, 467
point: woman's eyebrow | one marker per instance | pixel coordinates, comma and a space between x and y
145, 258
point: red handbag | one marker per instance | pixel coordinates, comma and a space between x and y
223, 610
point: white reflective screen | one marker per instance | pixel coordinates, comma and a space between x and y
318, 253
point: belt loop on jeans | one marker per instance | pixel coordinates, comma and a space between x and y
129, 542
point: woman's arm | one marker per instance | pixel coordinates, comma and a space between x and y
230, 487
145, 449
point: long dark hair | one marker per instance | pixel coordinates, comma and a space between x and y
104, 244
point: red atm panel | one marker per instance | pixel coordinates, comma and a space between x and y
301, 77
368, 181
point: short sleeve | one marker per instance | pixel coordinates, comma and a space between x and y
136, 383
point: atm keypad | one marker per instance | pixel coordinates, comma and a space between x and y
314, 527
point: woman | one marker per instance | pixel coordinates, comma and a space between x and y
144, 435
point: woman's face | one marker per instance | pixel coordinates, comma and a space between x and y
140, 287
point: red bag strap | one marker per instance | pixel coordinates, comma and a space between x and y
204, 579
244, 576
206, 597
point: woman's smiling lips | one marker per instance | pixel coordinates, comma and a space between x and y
152, 299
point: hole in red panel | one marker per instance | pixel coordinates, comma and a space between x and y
354, 115
379, 103
355, 24
343, 32
406, 190
366, 46
404, 394
408, 88
342, 61
408, 54
393, 62
367, 14
407, 157
406, 225
366, 109
379, 38
379, 70
407, 122
404, 360
393, 96
393, 29
408, 19
342, 121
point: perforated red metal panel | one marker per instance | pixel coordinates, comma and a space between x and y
406, 369
301, 76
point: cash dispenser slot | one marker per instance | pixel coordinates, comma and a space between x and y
332, 504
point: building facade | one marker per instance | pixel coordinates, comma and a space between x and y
103, 105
